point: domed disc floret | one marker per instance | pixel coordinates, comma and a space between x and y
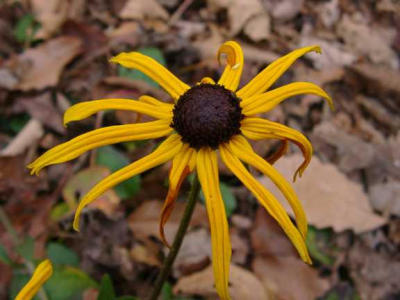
207, 115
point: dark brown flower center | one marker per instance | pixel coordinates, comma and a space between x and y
207, 115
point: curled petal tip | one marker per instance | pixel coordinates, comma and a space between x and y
115, 59
163, 238
317, 49
219, 57
75, 225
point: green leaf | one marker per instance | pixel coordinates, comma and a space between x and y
18, 122
312, 242
68, 283
227, 196
137, 75
4, 256
59, 211
166, 291
17, 283
26, 28
114, 160
26, 248
62, 255
127, 298
106, 289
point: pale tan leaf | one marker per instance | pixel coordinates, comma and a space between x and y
372, 41
41, 67
258, 28
289, 278
141, 9
29, 135
144, 221
242, 285
284, 10
330, 199
385, 197
53, 13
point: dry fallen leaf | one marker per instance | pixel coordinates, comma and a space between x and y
42, 108
144, 221
28, 136
143, 254
289, 278
79, 184
268, 239
51, 14
284, 10
240, 12
258, 28
385, 197
333, 54
329, 198
379, 79
141, 9
348, 147
195, 253
364, 39
242, 285
375, 273
329, 12
41, 67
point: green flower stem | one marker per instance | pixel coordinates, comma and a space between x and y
169, 260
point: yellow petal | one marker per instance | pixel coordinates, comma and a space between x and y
207, 80
230, 78
42, 273
242, 149
179, 170
267, 200
154, 70
207, 170
168, 149
85, 109
265, 102
259, 129
98, 138
153, 101
270, 74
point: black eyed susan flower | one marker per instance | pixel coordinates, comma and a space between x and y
205, 119
42, 273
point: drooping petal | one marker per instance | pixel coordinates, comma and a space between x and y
207, 170
98, 138
85, 109
168, 149
267, 200
42, 273
267, 101
243, 150
282, 150
259, 129
270, 74
230, 78
135, 60
181, 167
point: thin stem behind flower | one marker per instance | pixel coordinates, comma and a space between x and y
169, 260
